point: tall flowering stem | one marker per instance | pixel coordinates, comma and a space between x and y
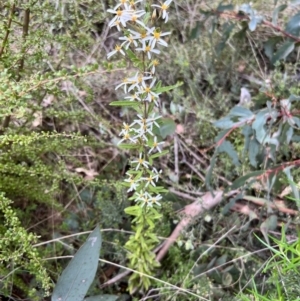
142, 44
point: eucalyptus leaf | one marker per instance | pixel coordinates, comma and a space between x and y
276, 12
284, 51
224, 123
294, 98
293, 26
269, 224
252, 24
224, 7
242, 180
241, 112
228, 148
167, 128
102, 298
77, 277
254, 148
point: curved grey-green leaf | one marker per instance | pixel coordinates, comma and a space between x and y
77, 277
102, 298
293, 26
106, 297
284, 51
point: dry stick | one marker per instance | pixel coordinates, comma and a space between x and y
207, 202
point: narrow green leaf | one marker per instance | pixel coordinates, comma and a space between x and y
77, 277
254, 148
167, 88
268, 225
210, 170
157, 155
133, 210
136, 61
196, 31
128, 146
242, 180
124, 103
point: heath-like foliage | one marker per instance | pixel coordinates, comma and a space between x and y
142, 43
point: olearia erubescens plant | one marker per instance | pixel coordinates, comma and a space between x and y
140, 43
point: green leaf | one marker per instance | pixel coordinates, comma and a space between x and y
268, 225
77, 277
224, 7
293, 26
226, 31
133, 210
157, 155
228, 148
294, 98
269, 46
254, 148
284, 51
242, 180
128, 146
224, 123
136, 61
241, 112
124, 103
102, 298
196, 31
167, 127
167, 88
210, 170
252, 24
276, 12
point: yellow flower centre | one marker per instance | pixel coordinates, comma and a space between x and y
147, 48
134, 18
126, 127
150, 179
126, 136
155, 62
147, 90
164, 7
156, 35
119, 13
141, 161
118, 47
